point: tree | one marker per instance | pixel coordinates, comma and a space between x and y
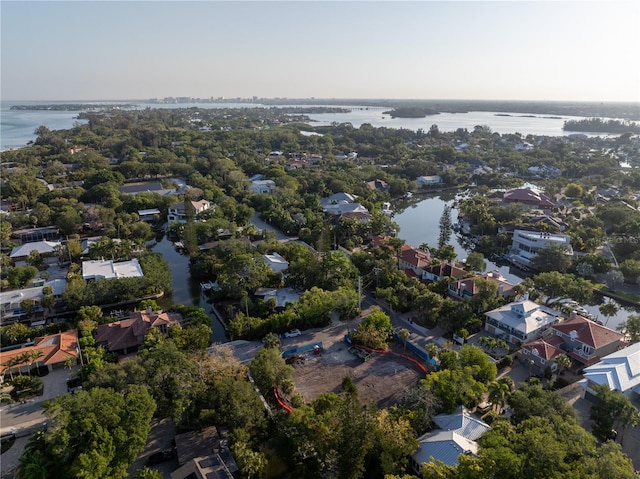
404, 336
500, 392
552, 259
445, 227
475, 262
631, 328
432, 350
374, 331
268, 369
612, 413
272, 340
608, 310
630, 269
92, 434
563, 361
147, 473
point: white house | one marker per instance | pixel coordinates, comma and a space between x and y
428, 180
276, 262
620, 371
10, 308
527, 244
177, 213
47, 250
107, 269
263, 186
521, 321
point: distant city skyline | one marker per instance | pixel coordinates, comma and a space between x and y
504, 50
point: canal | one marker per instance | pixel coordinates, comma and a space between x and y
419, 221
185, 290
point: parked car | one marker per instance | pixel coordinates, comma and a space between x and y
292, 334
160, 457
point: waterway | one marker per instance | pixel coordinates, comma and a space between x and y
419, 221
17, 126
185, 290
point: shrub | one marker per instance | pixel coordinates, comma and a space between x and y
505, 362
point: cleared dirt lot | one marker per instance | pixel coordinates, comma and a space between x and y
382, 379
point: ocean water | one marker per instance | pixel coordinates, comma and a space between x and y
17, 126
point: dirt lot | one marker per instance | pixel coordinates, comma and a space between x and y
382, 379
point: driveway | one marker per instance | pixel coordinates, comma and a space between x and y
24, 419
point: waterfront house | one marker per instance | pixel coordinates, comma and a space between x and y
127, 335
414, 261
521, 321
31, 235
619, 370
149, 215
282, 296
527, 244
426, 181
178, 212
467, 288
438, 271
10, 300
587, 341
94, 270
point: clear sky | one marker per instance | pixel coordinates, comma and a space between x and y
542, 50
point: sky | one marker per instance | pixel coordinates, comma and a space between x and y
504, 50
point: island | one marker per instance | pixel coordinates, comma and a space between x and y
411, 112
598, 125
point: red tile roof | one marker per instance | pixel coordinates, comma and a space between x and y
55, 349
545, 349
589, 332
415, 257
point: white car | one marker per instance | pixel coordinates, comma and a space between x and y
292, 334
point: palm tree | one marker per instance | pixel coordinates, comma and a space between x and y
608, 310
500, 391
10, 364
404, 335
34, 355
563, 361
432, 350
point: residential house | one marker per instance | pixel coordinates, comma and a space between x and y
201, 451
529, 198
457, 434
338, 198
521, 321
436, 272
31, 235
527, 244
282, 296
587, 341
127, 335
619, 370
260, 187
276, 263
46, 249
10, 301
146, 187
108, 269
541, 354
414, 261
426, 181
178, 212
54, 352
377, 185
148, 215
467, 288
